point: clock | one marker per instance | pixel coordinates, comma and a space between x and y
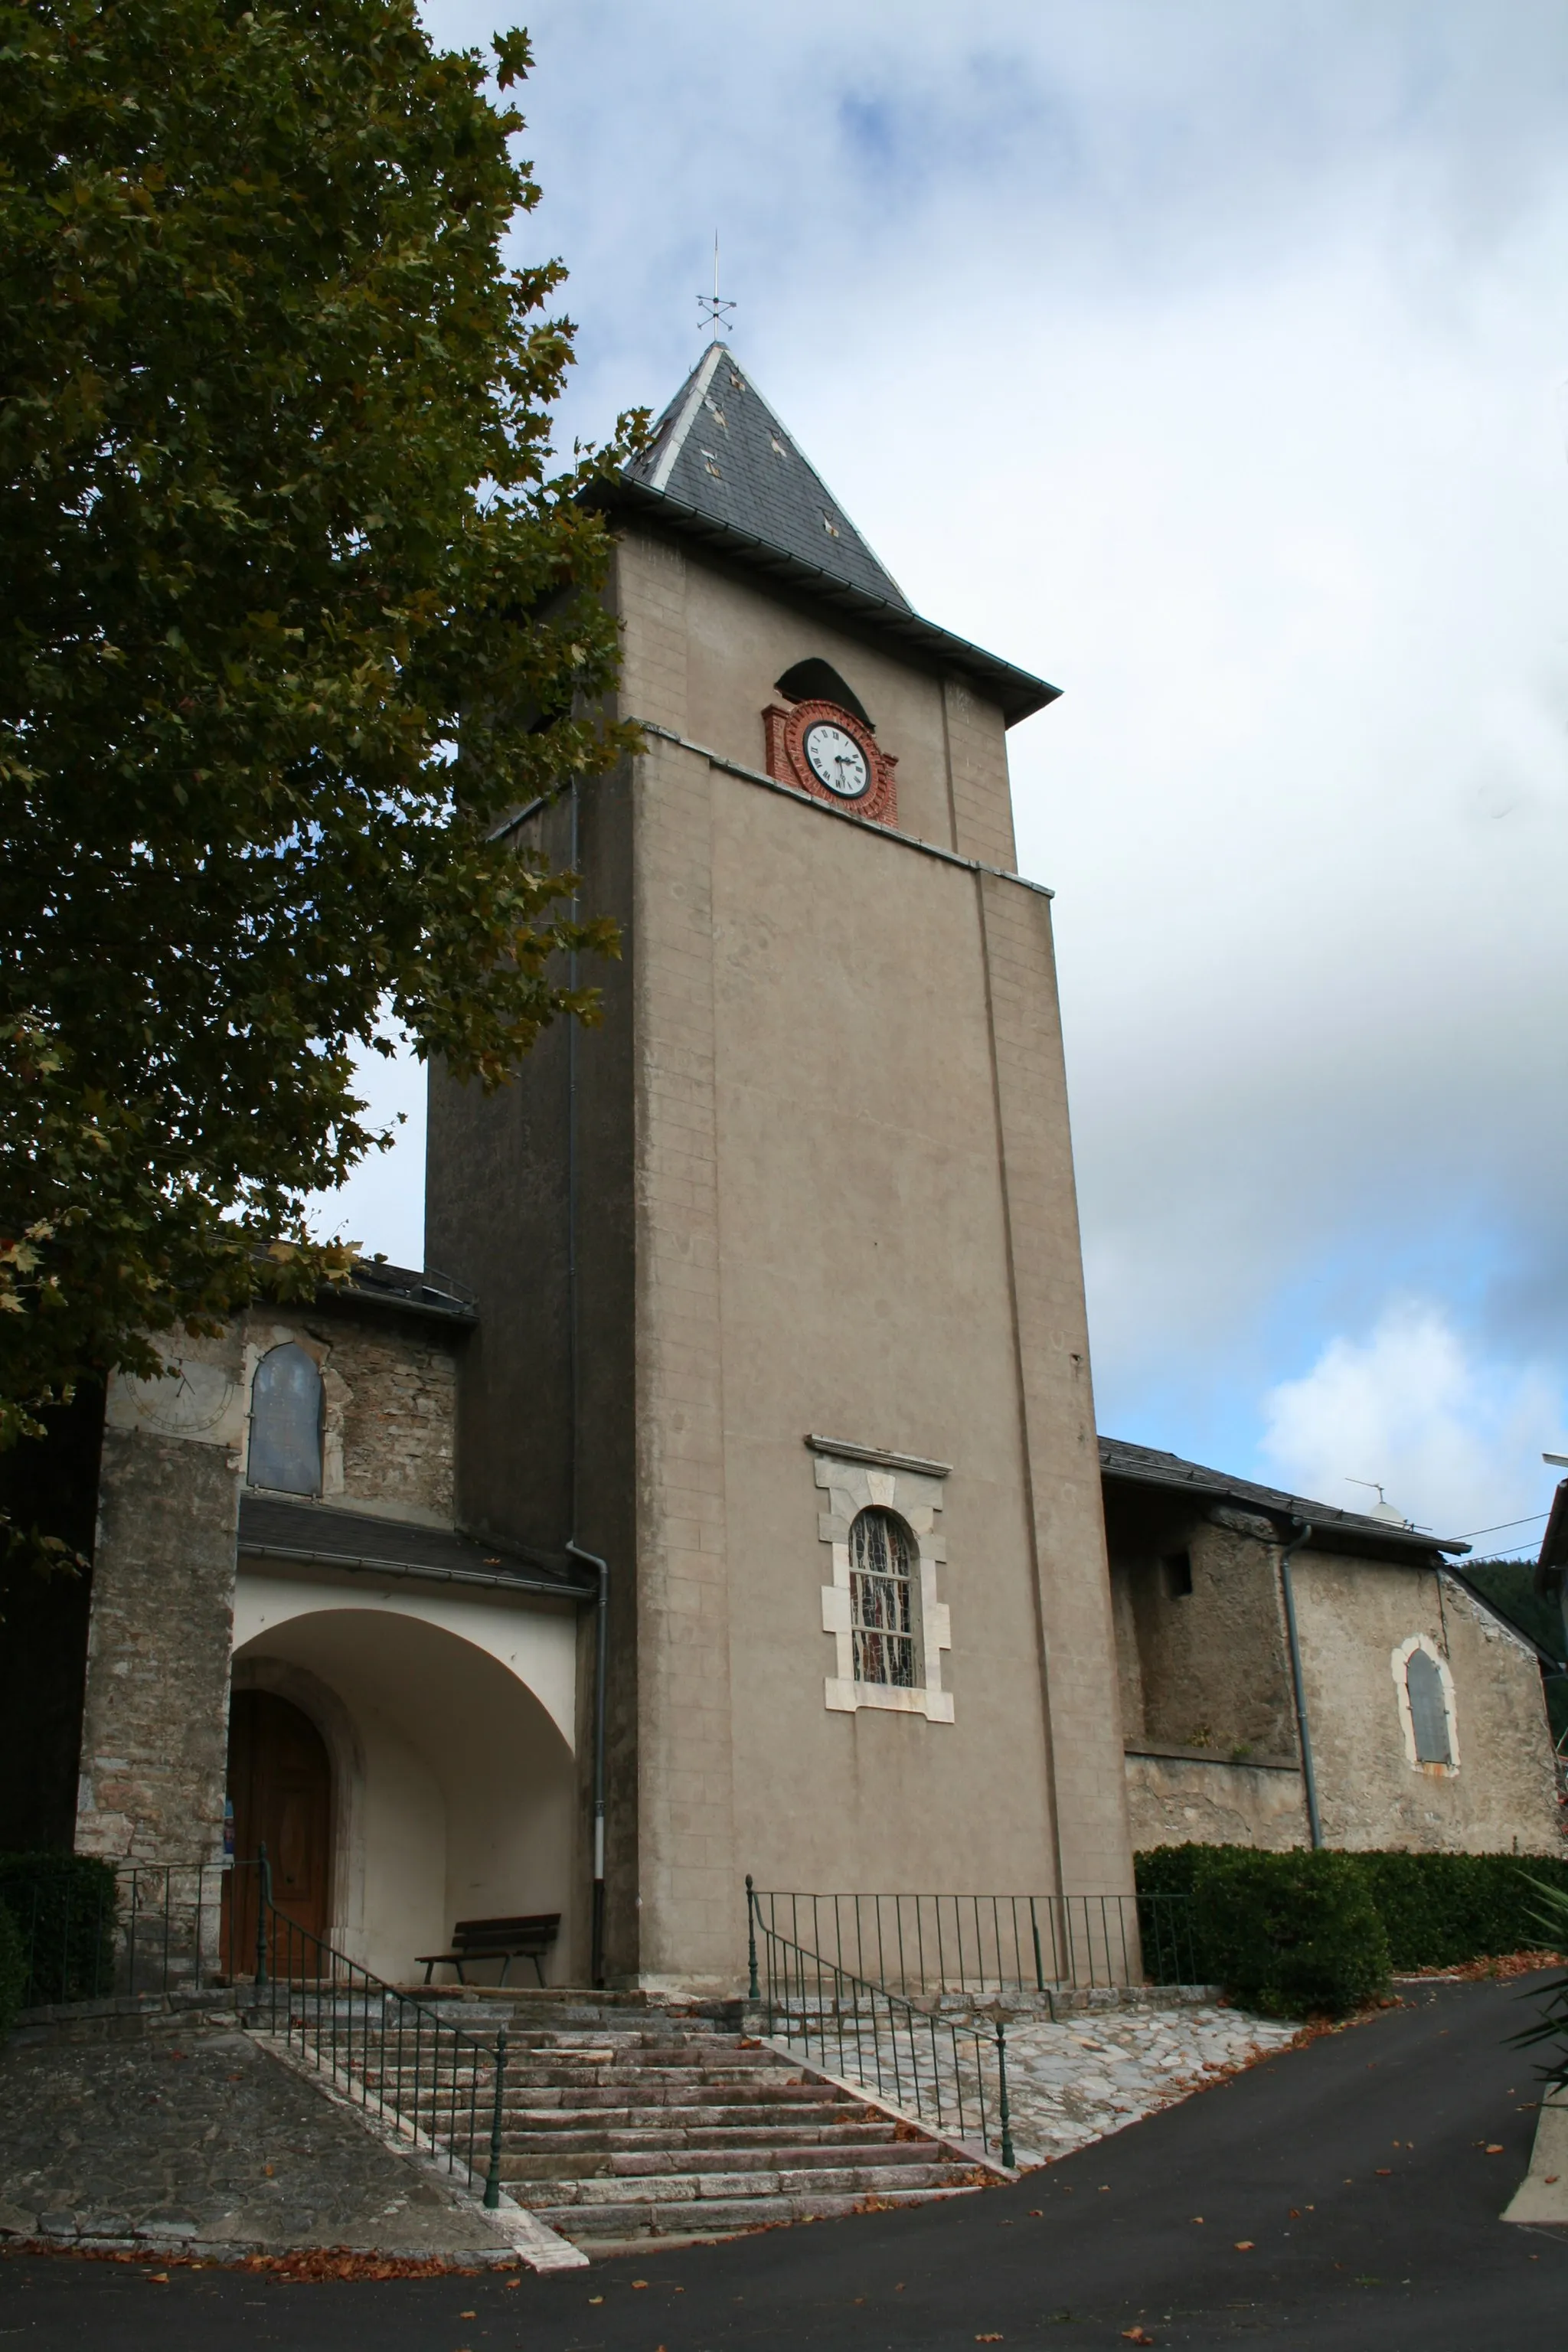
835, 759
821, 749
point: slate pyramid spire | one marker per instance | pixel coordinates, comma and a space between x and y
719, 451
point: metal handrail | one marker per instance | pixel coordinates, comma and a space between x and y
144, 1927
448, 2087
881, 2039
980, 1946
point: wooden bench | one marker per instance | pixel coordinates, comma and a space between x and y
497, 1940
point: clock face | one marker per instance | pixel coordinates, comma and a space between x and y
837, 761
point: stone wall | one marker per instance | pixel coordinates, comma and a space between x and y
390, 1395
1207, 1668
1501, 1796
156, 1715
1209, 1712
1203, 1801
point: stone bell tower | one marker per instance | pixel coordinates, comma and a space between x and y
780, 1294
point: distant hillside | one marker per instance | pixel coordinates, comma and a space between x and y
1508, 1585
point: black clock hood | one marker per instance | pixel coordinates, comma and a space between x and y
721, 468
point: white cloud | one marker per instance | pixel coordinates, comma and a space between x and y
1206, 359
1450, 1434
382, 1206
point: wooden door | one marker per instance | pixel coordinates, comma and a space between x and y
281, 1786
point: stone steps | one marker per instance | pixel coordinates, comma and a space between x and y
724, 2216
627, 2127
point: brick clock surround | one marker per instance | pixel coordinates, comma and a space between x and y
787, 760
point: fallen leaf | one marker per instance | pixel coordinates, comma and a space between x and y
1036, 2212
1244, 2245
993, 2338
1552, 2180
467, 2314
1494, 2148
1384, 2172
1198, 2219
1136, 2336
513, 2284
1295, 2212
595, 2298
639, 2282
158, 2278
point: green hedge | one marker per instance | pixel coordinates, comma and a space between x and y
1429, 1910
63, 1907
12, 1972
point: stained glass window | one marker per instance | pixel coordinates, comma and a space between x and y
881, 1560
285, 1423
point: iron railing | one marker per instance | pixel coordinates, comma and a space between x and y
983, 1946
933, 2067
386, 2051
152, 1928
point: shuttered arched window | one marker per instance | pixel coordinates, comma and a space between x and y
881, 1564
1428, 1714
285, 1423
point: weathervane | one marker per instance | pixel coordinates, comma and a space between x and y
714, 308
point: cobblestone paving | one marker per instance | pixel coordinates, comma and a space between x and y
1073, 2083
196, 2135
1069, 2082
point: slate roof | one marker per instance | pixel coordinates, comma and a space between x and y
288, 1526
722, 470
1145, 1466
719, 449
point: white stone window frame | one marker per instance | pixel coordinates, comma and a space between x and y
860, 1478
1399, 1664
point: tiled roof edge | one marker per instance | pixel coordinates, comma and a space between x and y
1018, 691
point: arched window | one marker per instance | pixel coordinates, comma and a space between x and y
881, 1611
286, 1421
1429, 1710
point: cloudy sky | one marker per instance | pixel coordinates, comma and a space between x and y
1209, 357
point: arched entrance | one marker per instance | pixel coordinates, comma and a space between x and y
453, 1785
280, 1787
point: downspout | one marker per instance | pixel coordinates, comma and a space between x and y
1304, 1733
575, 1550
601, 1665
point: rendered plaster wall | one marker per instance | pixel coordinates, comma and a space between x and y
856, 1217
155, 1715
824, 1182
1189, 1800
1208, 1669
1353, 1616
739, 638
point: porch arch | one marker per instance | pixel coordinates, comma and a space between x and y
454, 1783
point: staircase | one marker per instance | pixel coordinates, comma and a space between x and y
625, 2118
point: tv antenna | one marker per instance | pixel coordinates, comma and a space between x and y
1382, 1509
715, 308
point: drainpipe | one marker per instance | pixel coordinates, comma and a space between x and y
601, 1663
590, 1558
1303, 1530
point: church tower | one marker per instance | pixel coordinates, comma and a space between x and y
780, 1297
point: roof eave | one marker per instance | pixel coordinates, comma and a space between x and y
1295, 1510
1017, 693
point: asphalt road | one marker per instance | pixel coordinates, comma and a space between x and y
1348, 2192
